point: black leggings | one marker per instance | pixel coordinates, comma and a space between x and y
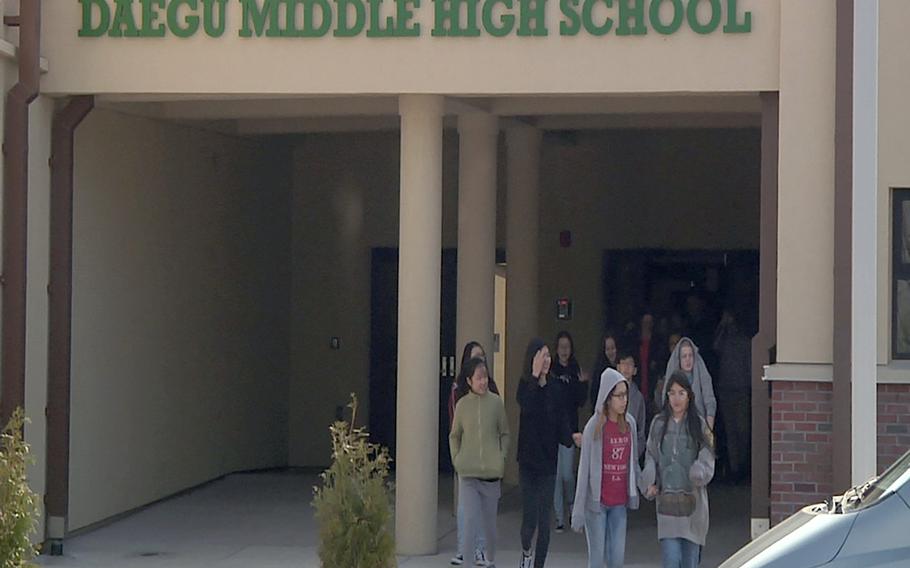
537, 505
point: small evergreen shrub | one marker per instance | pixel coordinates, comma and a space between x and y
18, 503
354, 504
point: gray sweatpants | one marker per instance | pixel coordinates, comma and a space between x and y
479, 500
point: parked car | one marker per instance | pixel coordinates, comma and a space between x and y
866, 527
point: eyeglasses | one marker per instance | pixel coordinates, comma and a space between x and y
620, 395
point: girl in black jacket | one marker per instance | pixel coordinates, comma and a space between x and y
543, 426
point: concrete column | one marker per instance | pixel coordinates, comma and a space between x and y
477, 137
766, 338
522, 223
864, 252
420, 250
806, 175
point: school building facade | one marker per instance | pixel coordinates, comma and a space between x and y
193, 190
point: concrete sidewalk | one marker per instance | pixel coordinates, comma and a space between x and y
265, 520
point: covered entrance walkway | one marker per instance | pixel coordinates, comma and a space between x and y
285, 198
264, 520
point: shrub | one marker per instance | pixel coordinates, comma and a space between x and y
18, 503
354, 504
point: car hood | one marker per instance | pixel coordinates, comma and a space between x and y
809, 538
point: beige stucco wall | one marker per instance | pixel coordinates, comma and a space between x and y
613, 190
893, 146
806, 182
345, 201
179, 365
40, 116
681, 62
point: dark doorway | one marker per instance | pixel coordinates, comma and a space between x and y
666, 284
659, 280
384, 348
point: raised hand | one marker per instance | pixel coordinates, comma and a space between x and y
537, 366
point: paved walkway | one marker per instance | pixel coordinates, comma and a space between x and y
265, 520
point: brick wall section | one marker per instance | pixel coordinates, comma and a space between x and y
893, 423
801, 471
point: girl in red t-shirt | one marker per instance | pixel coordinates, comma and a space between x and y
608, 474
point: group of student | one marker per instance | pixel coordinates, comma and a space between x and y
670, 460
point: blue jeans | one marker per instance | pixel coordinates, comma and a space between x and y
480, 544
680, 553
565, 476
606, 533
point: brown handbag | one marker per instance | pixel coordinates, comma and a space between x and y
676, 504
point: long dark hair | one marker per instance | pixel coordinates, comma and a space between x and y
573, 362
602, 363
466, 353
467, 371
465, 358
694, 426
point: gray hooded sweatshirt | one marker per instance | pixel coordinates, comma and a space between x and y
693, 528
700, 379
590, 468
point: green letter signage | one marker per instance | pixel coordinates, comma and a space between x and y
396, 18
572, 23
124, 22
586, 11
405, 13
675, 22
213, 27
448, 18
345, 28
532, 12
692, 16
634, 12
149, 17
255, 18
506, 21
292, 12
376, 29
89, 9
732, 26
190, 23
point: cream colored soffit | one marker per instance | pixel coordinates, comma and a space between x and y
266, 115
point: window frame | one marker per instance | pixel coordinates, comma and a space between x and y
900, 269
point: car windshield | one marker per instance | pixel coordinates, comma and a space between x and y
879, 487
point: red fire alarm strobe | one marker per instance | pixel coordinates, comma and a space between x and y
565, 239
563, 309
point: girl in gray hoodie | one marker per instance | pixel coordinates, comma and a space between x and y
608, 474
679, 465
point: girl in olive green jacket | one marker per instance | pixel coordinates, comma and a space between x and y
479, 442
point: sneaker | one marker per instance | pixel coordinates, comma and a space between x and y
526, 559
560, 529
480, 558
457, 560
